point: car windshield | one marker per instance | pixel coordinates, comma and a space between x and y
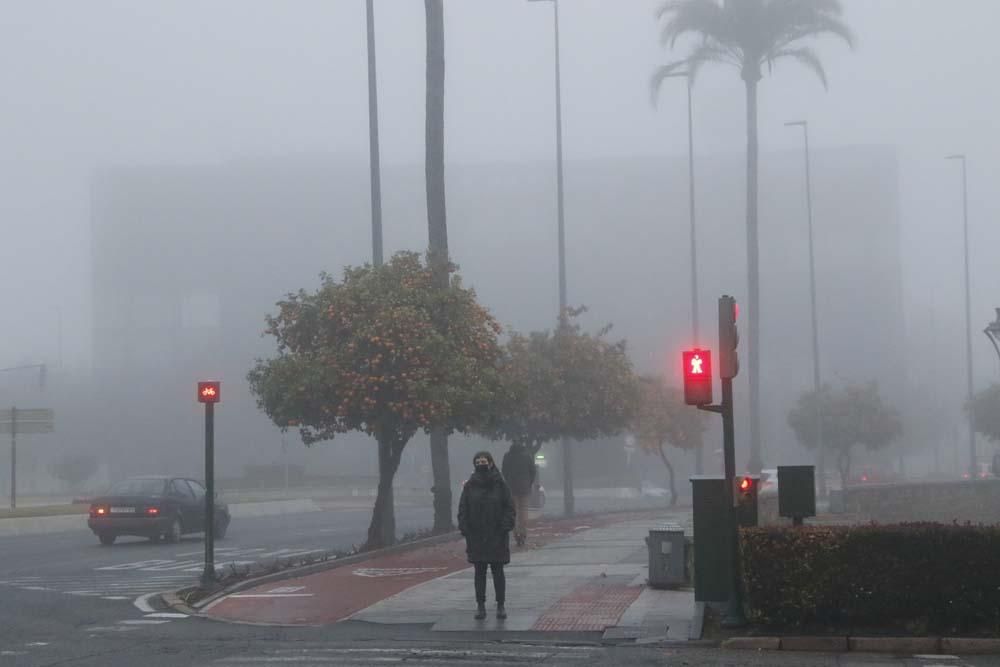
138, 487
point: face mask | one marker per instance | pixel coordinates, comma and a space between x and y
483, 467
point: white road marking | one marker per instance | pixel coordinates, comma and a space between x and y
166, 614
286, 589
114, 597
143, 621
142, 603
38, 588
271, 595
393, 571
37, 644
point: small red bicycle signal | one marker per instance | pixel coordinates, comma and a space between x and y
209, 392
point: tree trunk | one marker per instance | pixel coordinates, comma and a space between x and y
844, 466
753, 276
670, 475
437, 231
382, 530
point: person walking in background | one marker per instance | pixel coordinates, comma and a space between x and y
485, 518
519, 472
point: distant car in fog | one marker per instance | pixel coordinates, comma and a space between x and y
156, 507
649, 489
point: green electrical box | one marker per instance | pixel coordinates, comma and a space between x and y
796, 492
712, 558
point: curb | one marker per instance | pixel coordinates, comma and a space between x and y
842, 644
173, 600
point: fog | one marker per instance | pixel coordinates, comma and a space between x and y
118, 87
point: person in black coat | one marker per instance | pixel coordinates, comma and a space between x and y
518, 469
485, 518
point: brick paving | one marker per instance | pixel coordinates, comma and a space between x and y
592, 607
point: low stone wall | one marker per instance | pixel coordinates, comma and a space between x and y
973, 501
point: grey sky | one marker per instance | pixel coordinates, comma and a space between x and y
110, 81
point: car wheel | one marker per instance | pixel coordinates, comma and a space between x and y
107, 539
173, 534
220, 530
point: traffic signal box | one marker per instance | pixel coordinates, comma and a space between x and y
729, 338
697, 376
796, 492
745, 497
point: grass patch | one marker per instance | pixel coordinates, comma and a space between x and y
43, 510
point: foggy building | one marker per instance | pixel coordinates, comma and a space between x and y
188, 259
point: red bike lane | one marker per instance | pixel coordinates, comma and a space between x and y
333, 595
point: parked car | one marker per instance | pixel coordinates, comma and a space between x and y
156, 507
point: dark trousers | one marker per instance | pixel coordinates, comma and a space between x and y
499, 582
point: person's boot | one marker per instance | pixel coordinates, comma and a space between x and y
501, 612
480, 611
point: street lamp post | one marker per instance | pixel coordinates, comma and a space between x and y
566, 447
698, 460
821, 445
373, 150
968, 309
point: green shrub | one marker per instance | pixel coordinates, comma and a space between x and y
921, 577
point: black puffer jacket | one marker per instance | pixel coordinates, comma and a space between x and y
486, 517
519, 469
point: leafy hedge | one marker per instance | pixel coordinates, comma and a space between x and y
922, 577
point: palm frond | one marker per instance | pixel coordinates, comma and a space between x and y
819, 26
701, 56
805, 56
705, 18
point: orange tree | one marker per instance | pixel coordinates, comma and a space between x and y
567, 385
366, 354
663, 418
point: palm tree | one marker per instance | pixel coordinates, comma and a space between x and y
750, 35
437, 229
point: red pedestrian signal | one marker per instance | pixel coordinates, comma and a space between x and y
746, 485
209, 392
697, 376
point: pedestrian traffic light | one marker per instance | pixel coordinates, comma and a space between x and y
209, 392
729, 338
697, 376
745, 499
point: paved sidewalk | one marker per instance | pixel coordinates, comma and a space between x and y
583, 575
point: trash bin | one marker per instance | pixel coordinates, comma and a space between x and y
667, 559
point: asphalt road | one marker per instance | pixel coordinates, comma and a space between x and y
66, 600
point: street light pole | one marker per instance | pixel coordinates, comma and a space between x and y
821, 445
566, 445
698, 461
968, 311
373, 149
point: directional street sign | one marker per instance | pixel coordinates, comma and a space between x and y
32, 414
26, 426
14, 421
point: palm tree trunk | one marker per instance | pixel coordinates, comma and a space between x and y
753, 275
437, 230
373, 151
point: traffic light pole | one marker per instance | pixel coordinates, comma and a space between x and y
734, 615
208, 576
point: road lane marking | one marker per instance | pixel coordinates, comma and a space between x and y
143, 621
166, 614
114, 597
142, 603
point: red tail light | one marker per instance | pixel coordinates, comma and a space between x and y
153, 511
98, 510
